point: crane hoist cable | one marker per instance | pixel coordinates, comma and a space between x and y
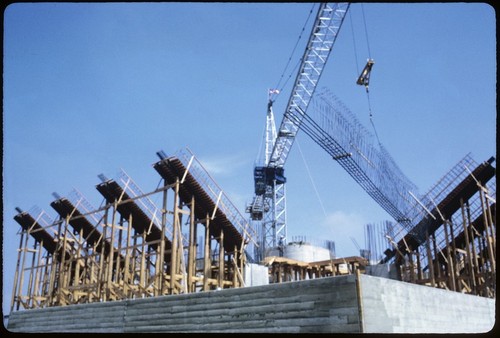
311, 179
364, 76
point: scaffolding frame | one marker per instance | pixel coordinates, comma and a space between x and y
453, 246
129, 248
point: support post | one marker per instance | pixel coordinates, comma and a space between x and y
191, 268
207, 271
175, 242
430, 262
221, 259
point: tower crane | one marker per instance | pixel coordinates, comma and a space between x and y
269, 203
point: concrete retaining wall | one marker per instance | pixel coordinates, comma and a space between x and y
319, 305
391, 306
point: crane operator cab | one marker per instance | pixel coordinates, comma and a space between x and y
268, 176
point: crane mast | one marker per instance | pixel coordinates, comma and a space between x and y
269, 203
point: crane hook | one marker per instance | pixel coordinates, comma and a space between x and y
364, 77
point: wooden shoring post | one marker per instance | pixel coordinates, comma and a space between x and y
191, 265
86, 263
221, 259
92, 271
207, 270
419, 264
37, 292
142, 268
243, 262
456, 268
241, 266
470, 269
228, 277
135, 261
160, 273
147, 274
280, 272
109, 276
119, 274
449, 261
412, 267
102, 266
134, 253
480, 254
46, 280
181, 265
492, 224
488, 232
234, 265
274, 275
397, 262
241, 280
55, 268
127, 279
483, 265
475, 265
429, 258
17, 273
437, 268
29, 292
21, 271
175, 241
64, 270
52, 279
79, 249
310, 271
405, 269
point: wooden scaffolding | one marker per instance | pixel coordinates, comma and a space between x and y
454, 246
129, 247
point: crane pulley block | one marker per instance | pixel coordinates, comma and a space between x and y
364, 77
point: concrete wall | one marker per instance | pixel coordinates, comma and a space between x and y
393, 306
319, 305
256, 274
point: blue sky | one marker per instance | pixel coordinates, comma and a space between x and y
92, 88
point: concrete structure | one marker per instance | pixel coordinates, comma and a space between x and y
255, 274
391, 306
345, 304
303, 251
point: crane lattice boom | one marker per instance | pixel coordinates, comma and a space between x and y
269, 203
324, 33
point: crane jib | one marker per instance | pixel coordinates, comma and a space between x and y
323, 35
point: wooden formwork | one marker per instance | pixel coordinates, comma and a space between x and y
283, 269
459, 249
127, 253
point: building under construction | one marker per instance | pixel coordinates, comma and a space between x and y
194, 263
196, 241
